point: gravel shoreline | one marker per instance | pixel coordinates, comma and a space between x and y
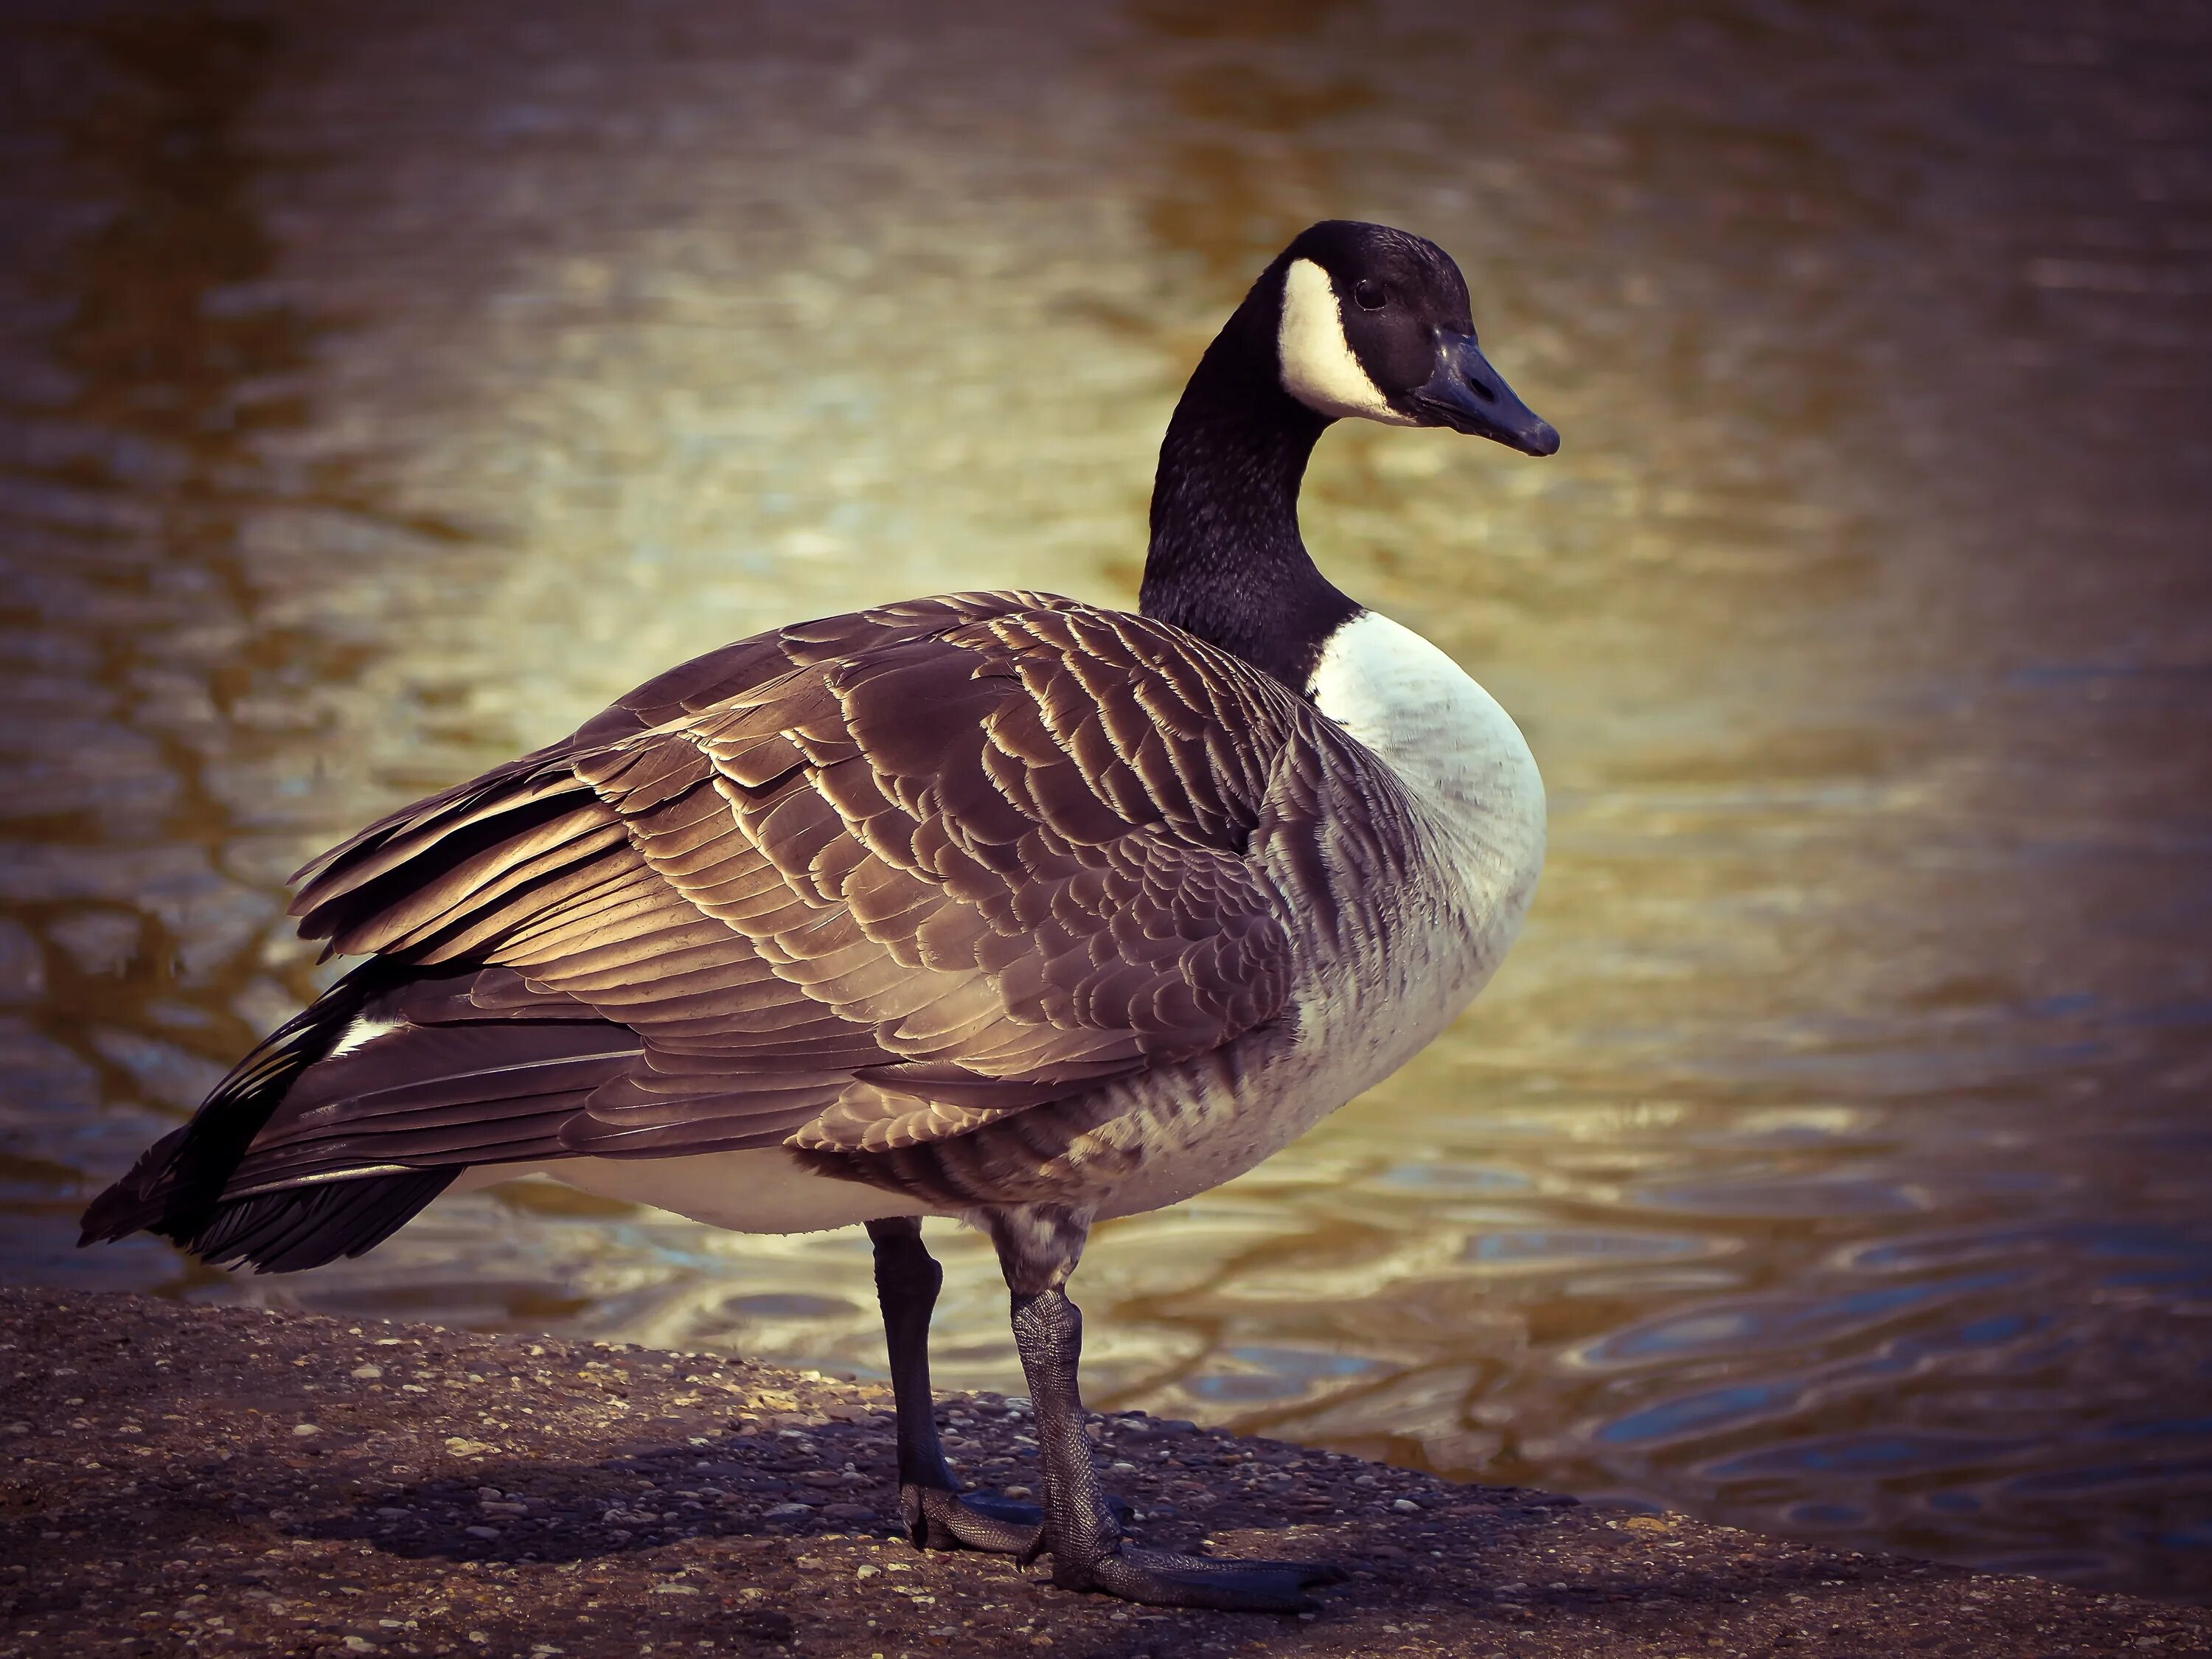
177, 1479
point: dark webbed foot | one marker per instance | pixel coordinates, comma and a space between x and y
1163, 1578
939, 1520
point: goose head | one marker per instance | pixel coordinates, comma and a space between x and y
1373, 323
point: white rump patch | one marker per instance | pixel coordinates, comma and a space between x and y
362, 1030
1319, 368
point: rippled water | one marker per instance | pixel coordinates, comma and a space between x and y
381, 392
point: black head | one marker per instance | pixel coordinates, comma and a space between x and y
1374, 322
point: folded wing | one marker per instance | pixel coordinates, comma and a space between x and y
854, 885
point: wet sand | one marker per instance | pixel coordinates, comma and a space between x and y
208, 1480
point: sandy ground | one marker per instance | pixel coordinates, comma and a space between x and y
199, 1480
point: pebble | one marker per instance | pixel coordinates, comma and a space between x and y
395, 1517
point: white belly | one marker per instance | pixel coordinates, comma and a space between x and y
765, 1191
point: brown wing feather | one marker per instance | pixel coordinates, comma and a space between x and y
875, 880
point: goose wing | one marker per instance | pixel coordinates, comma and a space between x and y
860, 884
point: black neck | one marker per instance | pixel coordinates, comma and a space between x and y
1226, 563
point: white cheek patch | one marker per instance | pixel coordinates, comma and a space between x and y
1319, 368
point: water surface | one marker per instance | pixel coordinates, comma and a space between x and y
380, 394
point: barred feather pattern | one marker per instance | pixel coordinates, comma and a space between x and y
863, 887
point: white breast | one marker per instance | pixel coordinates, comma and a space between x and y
1475, 827
1368, 1002
1457, 752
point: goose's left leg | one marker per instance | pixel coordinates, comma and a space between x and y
937, 1516
1038, 1247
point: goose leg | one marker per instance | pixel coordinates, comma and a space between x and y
1038, 1247
937, 1516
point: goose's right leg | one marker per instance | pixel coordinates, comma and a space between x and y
1038, 1247
937, 1516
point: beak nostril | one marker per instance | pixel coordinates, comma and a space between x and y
1467, 394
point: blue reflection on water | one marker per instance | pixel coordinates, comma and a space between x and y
2160, 1428
1453, 1178
1997, 1328
792, 1305
1556, 1244
2195, 1537
1785, 1200
1827, 1515
1764, 1324
1241, 1388
2090, 1238
1697, 1411
1278, 1373
1866, 1454
2143, 1472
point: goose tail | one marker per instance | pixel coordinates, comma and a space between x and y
177, 1188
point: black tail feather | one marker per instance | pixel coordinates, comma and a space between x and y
175, 1189
297, 1227
138, 1200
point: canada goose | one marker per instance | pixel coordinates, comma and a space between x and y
999, 906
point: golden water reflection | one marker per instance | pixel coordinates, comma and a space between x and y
1830, 1157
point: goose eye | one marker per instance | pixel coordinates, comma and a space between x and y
1369, 296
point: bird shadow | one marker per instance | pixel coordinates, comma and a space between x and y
634, 1503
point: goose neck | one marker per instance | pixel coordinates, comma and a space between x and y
1226, 562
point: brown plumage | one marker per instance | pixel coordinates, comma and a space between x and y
998, 904
854, 885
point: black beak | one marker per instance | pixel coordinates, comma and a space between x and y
1467, 395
